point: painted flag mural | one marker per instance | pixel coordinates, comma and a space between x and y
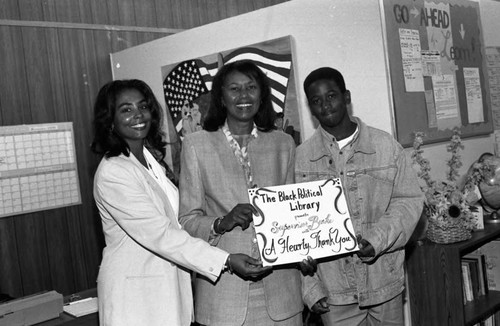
187, 82
187, 85
277, 67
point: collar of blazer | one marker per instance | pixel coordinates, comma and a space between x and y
161, 194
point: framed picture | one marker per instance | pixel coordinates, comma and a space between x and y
187, 85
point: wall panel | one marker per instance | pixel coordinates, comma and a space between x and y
10, 271
30, 10
13, 84
59, 254
39, 91
102, 47
33, 255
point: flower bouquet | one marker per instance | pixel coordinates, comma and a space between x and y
446, 206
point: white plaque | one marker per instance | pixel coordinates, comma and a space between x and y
300, 220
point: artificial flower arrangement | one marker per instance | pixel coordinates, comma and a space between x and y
448, 204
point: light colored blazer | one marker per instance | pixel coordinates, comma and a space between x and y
142, 279
212, 182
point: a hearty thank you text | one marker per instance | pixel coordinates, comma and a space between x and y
300, 220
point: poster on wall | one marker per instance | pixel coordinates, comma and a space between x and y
37, 168
493, 64
187, 84
438, 69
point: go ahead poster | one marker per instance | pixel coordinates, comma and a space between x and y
300, 220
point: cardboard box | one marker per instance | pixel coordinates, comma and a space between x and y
32, 309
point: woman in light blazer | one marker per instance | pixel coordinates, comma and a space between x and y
144, 275
239, 149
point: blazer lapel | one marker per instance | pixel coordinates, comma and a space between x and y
159, 192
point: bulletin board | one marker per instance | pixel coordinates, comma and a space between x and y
437, 68
37, 168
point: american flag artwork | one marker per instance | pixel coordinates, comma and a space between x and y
277, 67
185, 83
188, 84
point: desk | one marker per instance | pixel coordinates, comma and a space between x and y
68, 320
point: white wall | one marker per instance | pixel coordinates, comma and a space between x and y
344, 34
490, 18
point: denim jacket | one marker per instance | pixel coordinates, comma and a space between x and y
385, 203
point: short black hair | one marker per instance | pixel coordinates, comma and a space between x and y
325, 73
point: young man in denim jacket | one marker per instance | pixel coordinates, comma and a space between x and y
384, 200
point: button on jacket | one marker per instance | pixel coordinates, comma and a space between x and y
385, 203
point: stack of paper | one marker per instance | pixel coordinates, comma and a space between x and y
81, 307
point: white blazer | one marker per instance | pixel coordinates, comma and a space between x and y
144, 275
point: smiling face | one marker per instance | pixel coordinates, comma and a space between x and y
132, 119
241, 97
329, 105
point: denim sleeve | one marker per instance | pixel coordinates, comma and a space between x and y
313, 290
396, 226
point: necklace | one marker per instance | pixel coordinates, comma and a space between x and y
241, 152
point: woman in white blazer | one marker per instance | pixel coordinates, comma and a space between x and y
144, 275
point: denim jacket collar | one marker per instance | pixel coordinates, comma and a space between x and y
362, 143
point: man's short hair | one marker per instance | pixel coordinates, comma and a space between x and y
325, 73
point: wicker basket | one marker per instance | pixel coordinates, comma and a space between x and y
447, 233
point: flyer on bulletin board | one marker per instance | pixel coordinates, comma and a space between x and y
300, 220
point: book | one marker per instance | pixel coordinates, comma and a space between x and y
464, 290
466, 279
491, 250
496, 318
473, 266
481, 270
490, 321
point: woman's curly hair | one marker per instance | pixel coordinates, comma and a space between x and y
106, 140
